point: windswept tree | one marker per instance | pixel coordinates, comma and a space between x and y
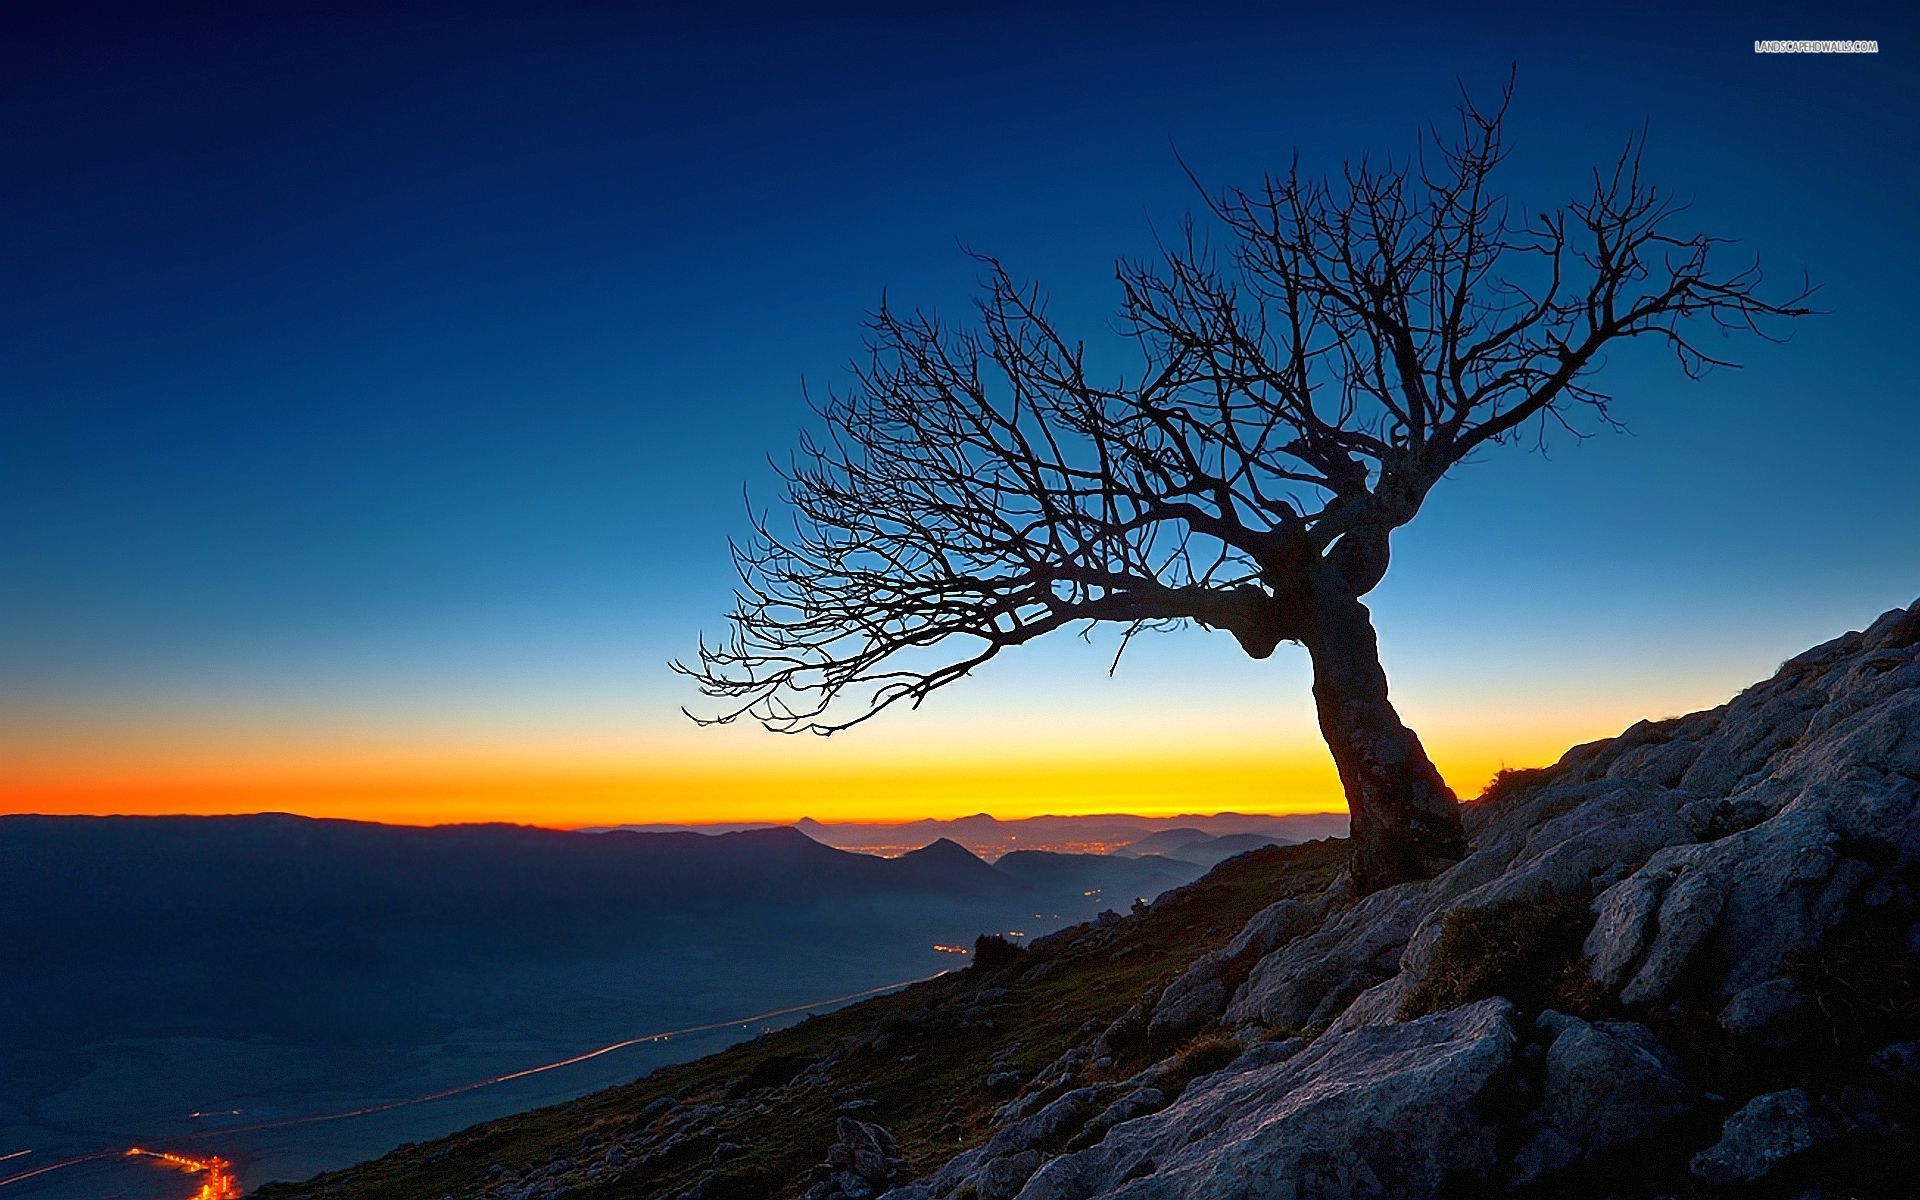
1298, 392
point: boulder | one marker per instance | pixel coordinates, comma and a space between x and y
1138, 1102
1764, 1012
1192, 1000
1314, 976
1760, 1137
1395, 1110
1604, 1087
1014, 1147
1826, 760
1002, 1178
859, 1165
1200, 994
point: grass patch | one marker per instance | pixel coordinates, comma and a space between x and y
1526, 951
1202, 1056
1863, 982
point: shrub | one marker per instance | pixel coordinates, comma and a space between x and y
1527, 951
992, 952
1510, 782
775, 1070
1201, 1056
1128, 1031
742, 1183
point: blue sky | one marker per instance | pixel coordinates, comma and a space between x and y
382, 379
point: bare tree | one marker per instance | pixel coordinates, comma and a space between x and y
1298, 394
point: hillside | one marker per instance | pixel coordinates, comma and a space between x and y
1677, 963
971, 1038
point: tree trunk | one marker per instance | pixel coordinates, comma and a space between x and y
1406, 821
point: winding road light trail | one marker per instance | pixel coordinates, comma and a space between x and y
477, 1084
55, 1166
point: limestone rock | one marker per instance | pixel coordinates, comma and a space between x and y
1002, 1178
1766, 1133
1012, 1148
1381, 1111
1605, 1086
859, 1165
1201, 992
1313, 977
1762, 1012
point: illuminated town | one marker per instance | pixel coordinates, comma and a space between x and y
219, 1183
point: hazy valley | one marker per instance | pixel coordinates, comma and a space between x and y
174, 979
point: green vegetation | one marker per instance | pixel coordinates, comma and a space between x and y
918, 1061
1527, 951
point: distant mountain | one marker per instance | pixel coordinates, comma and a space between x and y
113, 920
682, 827
1166, 840
1222, 848
946, 865
163, 873
1192, 846
153, 966
991, 837
1115, 880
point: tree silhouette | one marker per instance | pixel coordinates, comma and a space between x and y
1297, 396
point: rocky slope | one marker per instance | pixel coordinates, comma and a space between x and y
1680, 962
1713, 920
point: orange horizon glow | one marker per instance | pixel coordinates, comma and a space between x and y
569, 794
1012, 752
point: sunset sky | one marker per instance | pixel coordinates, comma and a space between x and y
379, 392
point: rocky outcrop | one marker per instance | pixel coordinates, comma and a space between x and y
860, 1164
1719, 855
1604, 1086
1199, 995
1766, 1133
1390, 1110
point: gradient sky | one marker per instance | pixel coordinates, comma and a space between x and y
379, 389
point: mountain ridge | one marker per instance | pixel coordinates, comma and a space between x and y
301, 900
989, 836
